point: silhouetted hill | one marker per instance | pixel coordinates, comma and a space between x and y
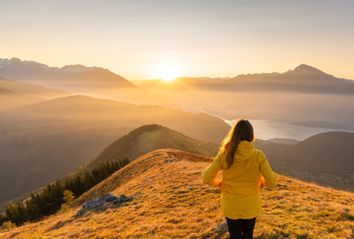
284, 141
4, 91
168, 193
47, 140
14, 94
30, 89
325, 158
148, 138
71, 77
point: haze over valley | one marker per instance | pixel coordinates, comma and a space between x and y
111, 112
50, 132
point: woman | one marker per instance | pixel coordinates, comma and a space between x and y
245, 170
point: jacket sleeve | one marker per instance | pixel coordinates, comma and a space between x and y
270, 177
212, 170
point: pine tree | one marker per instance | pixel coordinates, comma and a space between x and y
2, 219
68, 198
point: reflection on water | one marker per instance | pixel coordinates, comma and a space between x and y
267, 129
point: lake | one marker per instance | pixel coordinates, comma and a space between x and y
269, 129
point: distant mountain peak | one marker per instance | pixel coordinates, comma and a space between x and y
304, 69
148, 128
18, 62
79, 68
15, 59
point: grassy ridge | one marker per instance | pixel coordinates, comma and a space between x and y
172, 202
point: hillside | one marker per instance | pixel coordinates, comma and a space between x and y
14, 94
96, 111
30, 89
148, 138
4, 91
169, 195
325, 158
47, 140
70, 77
10, 99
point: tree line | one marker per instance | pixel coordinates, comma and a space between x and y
49, 200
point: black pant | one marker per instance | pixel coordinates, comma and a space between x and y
241, 228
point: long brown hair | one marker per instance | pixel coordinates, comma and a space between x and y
242, 130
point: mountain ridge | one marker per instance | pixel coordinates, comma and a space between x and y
5, 62
150, 137
303, 79
69, 77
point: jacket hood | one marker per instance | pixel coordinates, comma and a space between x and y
244, 150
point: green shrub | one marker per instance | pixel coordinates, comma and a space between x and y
347, 216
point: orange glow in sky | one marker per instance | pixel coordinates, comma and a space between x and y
208, 38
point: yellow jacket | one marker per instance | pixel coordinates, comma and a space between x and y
240, 193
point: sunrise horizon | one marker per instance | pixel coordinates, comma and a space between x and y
215, 39
169, 75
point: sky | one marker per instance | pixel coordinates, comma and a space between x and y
134, 38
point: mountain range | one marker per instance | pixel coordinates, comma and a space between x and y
70, 77
302, 79
303, 96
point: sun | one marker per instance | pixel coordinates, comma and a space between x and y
167, 72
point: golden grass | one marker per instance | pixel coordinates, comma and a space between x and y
171, 202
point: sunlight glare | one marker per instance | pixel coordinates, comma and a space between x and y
167, 72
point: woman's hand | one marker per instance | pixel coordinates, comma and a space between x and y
262, 183
218, 183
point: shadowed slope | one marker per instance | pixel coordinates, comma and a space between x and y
325, 158
150, 137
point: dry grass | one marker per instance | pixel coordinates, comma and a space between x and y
171, 202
